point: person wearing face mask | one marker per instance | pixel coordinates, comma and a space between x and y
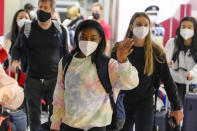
30, 9
149, 59
39, 47
20, 18
19, 117
157, 30
97, 14
80, 101
74, 16
182, 56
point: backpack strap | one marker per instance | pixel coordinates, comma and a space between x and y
57, 26
66, 62
27, 29
103, 74
62, 37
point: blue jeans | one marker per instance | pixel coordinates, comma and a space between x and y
19, 119
140, 114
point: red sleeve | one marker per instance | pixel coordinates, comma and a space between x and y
3, 55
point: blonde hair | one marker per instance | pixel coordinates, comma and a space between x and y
152, 50
74, 11
97, 4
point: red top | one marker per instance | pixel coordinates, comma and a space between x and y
106, 28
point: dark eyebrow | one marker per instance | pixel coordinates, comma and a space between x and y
91, 35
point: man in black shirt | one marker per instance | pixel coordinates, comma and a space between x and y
40, 50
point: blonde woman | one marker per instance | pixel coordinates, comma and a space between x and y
74, 18
149, 59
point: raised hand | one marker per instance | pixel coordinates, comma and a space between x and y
124, 49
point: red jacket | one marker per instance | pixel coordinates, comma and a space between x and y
21, 80
3, 55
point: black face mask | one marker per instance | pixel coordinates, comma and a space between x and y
43, 16
96, 16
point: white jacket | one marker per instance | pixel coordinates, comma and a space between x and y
185, 61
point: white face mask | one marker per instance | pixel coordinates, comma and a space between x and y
87, 47
141, 32
187, 33
153, 18
21, 22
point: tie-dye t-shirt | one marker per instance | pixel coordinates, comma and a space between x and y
80, 100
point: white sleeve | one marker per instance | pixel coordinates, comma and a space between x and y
194, 71
169, 49
68, 36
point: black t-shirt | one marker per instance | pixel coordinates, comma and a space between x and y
43, 52
144, 89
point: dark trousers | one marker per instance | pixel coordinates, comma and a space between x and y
181, 91
35, 90
65, 127
139, 113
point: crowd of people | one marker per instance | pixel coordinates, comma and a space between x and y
74, 68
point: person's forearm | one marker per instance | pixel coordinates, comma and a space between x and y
7, 45
108, 48
170, 86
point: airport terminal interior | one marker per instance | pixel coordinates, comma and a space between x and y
156, 92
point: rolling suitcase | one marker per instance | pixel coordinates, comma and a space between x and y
162, 121
160, 117
190, 111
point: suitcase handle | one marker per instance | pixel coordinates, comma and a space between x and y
187, 86
17, 73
